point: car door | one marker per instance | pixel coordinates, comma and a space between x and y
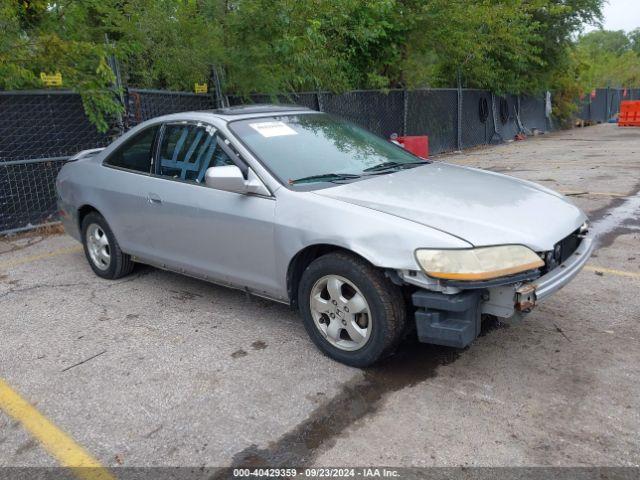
122, 189
219, 235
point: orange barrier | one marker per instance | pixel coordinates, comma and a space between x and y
629, 113
418, 145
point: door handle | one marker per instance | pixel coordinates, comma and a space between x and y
154, 198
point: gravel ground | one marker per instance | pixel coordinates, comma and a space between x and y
189, 374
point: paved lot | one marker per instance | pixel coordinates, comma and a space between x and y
188, 373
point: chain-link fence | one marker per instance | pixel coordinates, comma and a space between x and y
142, 104
433, 113
453, 119
603, 104
39, 130
44, 124
305, 99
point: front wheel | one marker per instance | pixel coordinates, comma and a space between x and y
102, 249
351, 311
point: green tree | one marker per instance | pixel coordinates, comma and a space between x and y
609, 41
63, 37
166, 44
490, 43
275, 46
609, 58
634, 37
288, 45
160, 43
505, 45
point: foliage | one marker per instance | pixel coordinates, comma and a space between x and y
490, 44
610, 58
160, 43
50, 38
286, 45
566, 86
166, 44
496, 44
273, 46
634, 36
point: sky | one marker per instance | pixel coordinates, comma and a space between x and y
620, 15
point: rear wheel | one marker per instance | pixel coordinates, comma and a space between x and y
351, 311
102, 249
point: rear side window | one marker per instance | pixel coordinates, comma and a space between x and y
135, 153
187, 151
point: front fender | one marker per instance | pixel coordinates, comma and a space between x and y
304, 219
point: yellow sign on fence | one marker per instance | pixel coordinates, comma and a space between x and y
201, 88
51, 80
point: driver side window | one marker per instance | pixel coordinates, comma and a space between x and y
187, 151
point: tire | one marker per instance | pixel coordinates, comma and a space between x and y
119, 264
383, 320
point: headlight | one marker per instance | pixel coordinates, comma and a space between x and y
478, 263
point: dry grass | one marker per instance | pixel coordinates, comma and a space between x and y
46, 230
41, 231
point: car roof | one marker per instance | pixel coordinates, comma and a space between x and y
237, 113
257, 108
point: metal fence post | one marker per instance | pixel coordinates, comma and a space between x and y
220, 100
495, 119
459, 120
405, 109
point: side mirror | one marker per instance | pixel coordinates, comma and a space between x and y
230, 179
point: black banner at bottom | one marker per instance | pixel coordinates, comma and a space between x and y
430, 473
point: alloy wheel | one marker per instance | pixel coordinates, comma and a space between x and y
340, 312
98, 246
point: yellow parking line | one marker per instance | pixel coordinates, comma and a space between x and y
57, 443
40, 256
610, 271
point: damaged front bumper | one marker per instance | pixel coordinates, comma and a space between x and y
453, 318
557, 278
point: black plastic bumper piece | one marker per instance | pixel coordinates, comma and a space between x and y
450, 320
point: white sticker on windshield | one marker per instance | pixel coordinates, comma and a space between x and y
272, 129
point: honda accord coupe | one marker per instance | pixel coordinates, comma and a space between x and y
367, 241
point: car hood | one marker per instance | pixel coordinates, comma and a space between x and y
481, 207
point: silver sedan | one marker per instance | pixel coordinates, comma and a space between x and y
369, 242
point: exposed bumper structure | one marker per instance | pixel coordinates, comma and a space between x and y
553, 281
450, 320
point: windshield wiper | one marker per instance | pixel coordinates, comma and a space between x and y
329, 177
390, 165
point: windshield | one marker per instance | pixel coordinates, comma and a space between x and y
313, 148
